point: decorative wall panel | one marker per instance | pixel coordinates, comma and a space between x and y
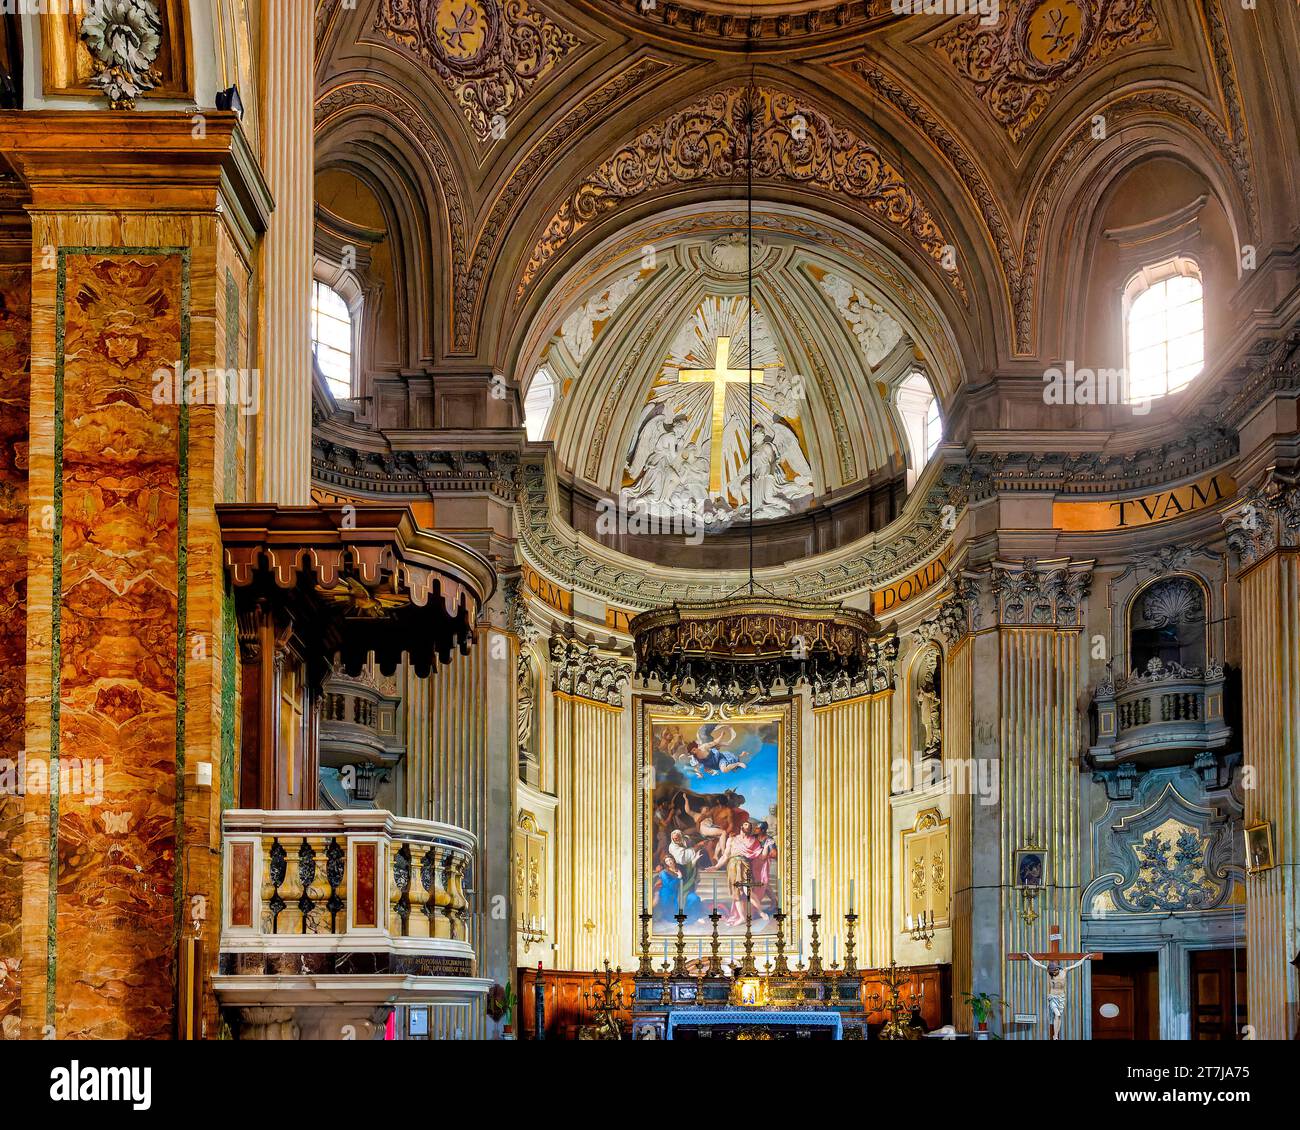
118, 709
15, 391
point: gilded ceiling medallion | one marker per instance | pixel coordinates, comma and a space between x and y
489, 53
462, 32
1016, 66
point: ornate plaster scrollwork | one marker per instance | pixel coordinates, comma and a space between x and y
1015, 67
707, 140
124, 38
578, 669
1031, 596
952, 619
489, 53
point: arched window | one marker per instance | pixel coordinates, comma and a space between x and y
538, 402
1164, 329
331, 338
918, 408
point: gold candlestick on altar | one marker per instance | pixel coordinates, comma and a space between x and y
814, 943
715, 961
747, 965
646, 967
781, 966
666, 996
850, 962
679, 960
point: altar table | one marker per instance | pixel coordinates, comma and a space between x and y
693, 1018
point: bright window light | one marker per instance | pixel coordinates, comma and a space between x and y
919, 409
331, 339
538, 402
1165, 330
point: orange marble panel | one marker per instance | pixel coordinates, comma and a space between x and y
241, 885
15, 393
364, 906
123, 316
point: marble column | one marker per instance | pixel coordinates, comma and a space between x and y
1264, 535
288, 81
15, 392
127, 683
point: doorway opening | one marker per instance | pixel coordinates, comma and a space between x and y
1218, 993
1126, 996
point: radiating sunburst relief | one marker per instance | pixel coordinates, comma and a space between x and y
693, 449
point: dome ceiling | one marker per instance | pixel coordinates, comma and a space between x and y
636, 352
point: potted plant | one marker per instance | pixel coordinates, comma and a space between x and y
501, 1006
982, 1007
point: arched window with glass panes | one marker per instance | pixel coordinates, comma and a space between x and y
1164, 329
332, 339
918, 408
538, 402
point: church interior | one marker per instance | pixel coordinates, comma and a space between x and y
650, 519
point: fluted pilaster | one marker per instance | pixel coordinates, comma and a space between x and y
851, 743
1264, 533
590, 823
285, 425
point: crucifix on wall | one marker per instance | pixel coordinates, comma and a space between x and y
1050, 963
720, 376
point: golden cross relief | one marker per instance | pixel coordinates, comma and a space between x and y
720, 375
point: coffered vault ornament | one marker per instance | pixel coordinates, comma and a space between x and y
489, 53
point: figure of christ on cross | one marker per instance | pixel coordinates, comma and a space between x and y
720, 375
1050, 962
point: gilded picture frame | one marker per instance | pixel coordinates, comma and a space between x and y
652, 721
1259, 847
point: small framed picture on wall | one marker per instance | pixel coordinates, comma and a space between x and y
1031, 868
1259, 847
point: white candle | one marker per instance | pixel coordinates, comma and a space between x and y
814, 894
835, 948
850, 896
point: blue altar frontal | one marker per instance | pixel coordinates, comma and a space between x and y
696, 1018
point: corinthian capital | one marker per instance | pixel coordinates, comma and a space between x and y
579, 669
1267, 518
1047, 594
